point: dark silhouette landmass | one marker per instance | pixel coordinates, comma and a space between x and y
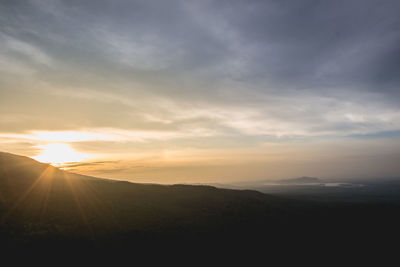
44, 207
301, 180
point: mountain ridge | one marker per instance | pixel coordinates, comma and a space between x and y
44, 207
301, 180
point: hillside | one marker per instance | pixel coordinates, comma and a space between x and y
39, 201
41, 205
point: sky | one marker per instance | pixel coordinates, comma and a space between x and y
185, 91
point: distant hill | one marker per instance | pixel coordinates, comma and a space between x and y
301, 180
43, 207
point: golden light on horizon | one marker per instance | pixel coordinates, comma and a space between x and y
58, 154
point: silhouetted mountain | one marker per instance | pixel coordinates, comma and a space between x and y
44, 207
301, 180
39, 201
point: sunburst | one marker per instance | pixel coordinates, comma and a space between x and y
58, 154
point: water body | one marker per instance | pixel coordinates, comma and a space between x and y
316, 184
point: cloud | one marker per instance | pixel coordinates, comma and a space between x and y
84, 164
210, 51
189, 74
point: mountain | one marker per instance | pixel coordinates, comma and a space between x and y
301, 180
43, 207
41, 202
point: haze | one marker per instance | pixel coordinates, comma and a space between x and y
203, 91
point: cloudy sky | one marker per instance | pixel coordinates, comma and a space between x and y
203, 91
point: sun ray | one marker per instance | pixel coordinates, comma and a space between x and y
85, 196
47, 187
47, 173
78, 204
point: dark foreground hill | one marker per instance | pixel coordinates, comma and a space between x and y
44, 207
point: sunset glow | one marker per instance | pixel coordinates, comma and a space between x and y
58, 154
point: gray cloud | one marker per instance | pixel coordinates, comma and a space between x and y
254, 67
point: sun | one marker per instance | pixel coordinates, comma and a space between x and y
58, 154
